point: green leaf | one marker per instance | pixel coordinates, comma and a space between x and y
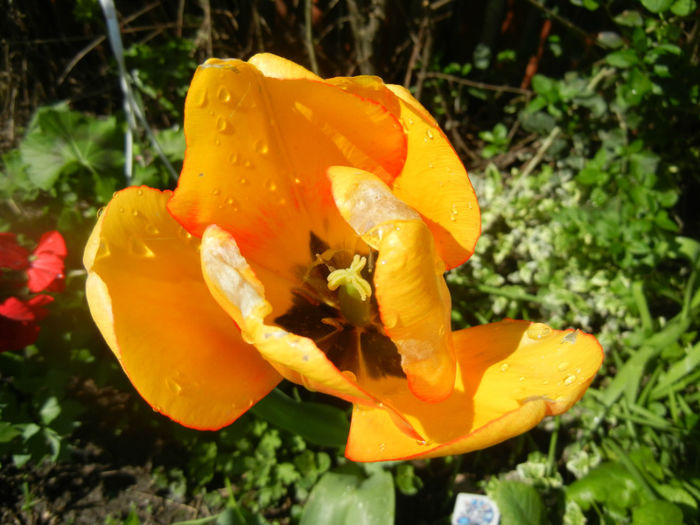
683, 7
50, 410
348, 496
61, 141
519, 504
657, 6
655, 512
315, 422
622, 59
609, 483
7, 432
629, 19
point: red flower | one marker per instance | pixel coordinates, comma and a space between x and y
19, 321
12, 255
45, 272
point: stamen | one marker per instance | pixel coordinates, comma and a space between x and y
351, 278
354, 291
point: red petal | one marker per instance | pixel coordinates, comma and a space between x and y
12, 255
46, 273
16, 310
17, 334
51, 242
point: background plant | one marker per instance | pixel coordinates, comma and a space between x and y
578, 122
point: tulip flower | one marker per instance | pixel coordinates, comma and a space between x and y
307, 239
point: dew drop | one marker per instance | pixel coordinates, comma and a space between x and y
563, 366
504, 367
569, 379
232, 203
410, 121
121, 209
140, 249
215, 192
421, 442
454, 212
570, 337
223, 126
271, 185
233, 158
182, 232
99, 212
429, 135
297, 180
223, 94
173, 385
349, 375
538, 331
217, 141
135, 213
243, 181
545, 382
261, 147
152, 230
521, 378
139, 192
382, 446
201, 99
248, 164
470, 205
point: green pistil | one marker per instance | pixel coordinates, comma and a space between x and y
354, 291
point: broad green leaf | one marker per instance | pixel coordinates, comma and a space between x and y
315, 422
63, 141
348, 496
657, 511
7, 432
609, 483
50, 410
519, 503
622, 59
657, 6
629, 19
683, 7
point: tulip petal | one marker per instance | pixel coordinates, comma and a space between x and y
413, 299
510, 375
433, 181
237, 289
257, 152
274, 66
145, 289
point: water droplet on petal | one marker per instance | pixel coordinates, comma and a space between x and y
297, 180
215, 191
173, 385
248, 164
421, 442
570, 337
429, 135
349, 375
271, 185
223, 125
243, 181
521, 378
217, 141
563, 366
232, 203
201, 98
569, 379
152, 230
121, 209
382, 446
139, 192
504, 367
261, 147
538, 331
140, 249
233, 158
135, 213
454, 212
223, 94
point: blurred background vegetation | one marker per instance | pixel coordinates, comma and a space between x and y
578, 121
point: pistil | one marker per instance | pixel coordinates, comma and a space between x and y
354, 291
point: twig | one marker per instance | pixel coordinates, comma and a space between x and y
534, 161
308, 36
479, 85
563, 21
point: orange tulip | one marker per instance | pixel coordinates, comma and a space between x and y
307, 239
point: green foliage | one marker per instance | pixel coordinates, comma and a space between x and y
350, 495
